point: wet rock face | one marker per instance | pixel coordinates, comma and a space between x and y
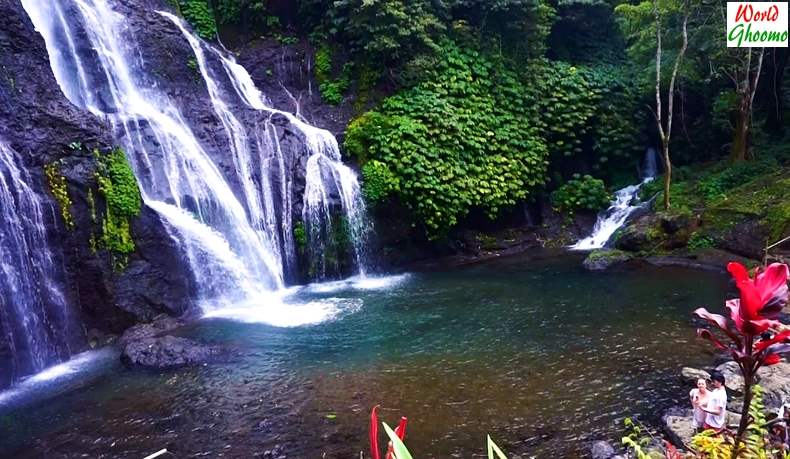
40, 123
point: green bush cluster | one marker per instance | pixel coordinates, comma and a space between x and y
460, 139
331, 89
60, 191
118, 186
581, 193
699, 241
378, 181
717, 185
588, 113
199, 14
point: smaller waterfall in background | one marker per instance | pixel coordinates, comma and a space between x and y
626, 201
34, 318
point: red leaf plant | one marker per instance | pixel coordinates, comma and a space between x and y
762, 298
400, 431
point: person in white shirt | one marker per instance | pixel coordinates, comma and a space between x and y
716, 407
699, 396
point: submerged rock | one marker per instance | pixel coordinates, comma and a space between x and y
601, 450
167, 351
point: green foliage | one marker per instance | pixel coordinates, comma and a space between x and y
635, 440
378, 181
568, 104
118, 186
386, 30
581, 193
460, 139
589, 114
60, 191
718, 185
331, 90
300, 236
199, 14
699, 241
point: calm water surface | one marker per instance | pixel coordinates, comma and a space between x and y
531, 349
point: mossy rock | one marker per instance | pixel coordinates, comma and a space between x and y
601, 259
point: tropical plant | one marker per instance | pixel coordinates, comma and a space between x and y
581, 193
762, 298
396, 449
460, 140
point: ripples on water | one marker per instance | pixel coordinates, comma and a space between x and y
536, 352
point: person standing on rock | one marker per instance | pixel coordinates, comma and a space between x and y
716, 407
699, 398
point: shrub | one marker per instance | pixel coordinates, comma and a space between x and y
699, 241
198, 13
581, 193
717, 185
379, 182
460, 139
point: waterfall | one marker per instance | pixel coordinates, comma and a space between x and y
325, 175
232, 222
34, 318
625, 202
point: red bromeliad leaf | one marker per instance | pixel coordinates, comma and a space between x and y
400, 431
374, 433
771, 284
778, 338
720, 322
761, 298
702, 333
771, 359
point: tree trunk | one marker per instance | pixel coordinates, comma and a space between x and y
667, 173
740, 141
746, 92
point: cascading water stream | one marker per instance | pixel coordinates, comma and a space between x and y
626, 201
34, 319
325, 172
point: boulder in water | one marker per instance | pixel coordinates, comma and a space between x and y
601, 450
733, 380
691, 375
601, 259
167, 351
679, 426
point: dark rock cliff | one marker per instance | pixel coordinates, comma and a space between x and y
39, 123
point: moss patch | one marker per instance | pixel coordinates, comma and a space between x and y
60, 191
118, 186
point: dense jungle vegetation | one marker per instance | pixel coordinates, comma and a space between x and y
475, 105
